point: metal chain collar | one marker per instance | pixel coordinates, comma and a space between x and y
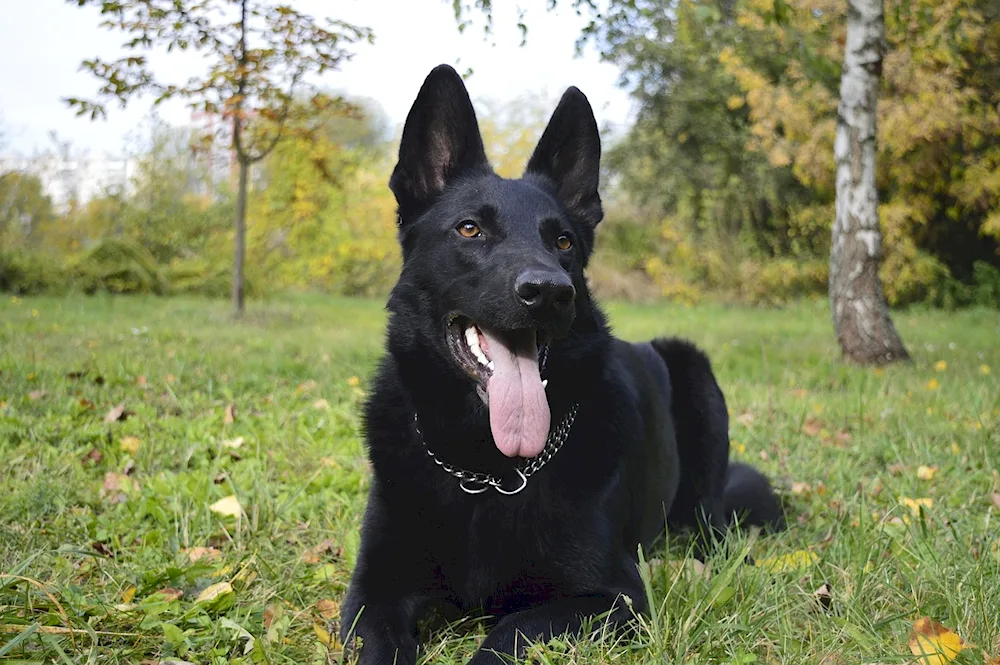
474, 482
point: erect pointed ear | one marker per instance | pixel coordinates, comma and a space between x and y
440, 141
569, 155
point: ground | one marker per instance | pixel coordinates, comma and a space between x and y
153, 448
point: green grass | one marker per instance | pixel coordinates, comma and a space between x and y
82, 564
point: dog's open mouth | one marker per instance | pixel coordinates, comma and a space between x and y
505, 368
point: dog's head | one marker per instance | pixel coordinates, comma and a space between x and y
494, 267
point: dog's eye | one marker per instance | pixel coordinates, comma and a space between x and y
564, 242
468, 230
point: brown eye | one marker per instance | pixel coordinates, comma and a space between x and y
469, 230
564, 242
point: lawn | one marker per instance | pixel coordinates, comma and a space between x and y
131, 430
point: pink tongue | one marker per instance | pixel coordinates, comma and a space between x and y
519, 410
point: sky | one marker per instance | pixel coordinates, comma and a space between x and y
42, 43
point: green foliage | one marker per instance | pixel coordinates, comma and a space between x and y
30, 272
117, 265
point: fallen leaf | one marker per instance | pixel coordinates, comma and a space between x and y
228, 506
823, 596
934, 644
36, 395
102, 549
140, 381
130, 445
328, 609
925, 472
305, 387
86, 404
230, 415
788, 562
325, 637
800, 488
996, 500
165, 595
321, 405
128, 594
219, 596
196, 553
745, 418
118, 413
94, 456
233, 443
895, 469
915, 504
269, 613
117, 485
314, 554
763, 455
813, 426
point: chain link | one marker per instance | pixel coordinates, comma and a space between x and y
474, 482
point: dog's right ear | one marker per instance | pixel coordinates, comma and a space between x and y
440, 141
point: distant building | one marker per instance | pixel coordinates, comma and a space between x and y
76, 178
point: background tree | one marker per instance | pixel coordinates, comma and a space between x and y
860, 312
260, 55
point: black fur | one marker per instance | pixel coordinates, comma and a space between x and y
649, 446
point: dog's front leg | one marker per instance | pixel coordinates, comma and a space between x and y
509, 639
387, 628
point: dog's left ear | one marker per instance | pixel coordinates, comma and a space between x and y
569, 155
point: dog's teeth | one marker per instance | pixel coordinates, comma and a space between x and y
472, 337
481, 358
491, 365
545, 383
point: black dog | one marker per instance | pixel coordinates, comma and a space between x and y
521, 454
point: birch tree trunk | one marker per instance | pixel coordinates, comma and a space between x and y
860, 311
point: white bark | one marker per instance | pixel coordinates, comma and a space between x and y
860, 312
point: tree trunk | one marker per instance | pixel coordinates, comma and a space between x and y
860, 312
239, 291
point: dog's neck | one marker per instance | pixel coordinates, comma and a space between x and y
454, 423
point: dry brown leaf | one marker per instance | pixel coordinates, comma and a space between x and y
36, 395
305, 387
745, 418
196, 553
823, 596
117, 485
94, 456
118, 413
321, 405
230, 415
813, 426
996, 499
799, 488
328, 609
933, 644
314, 554
140, 381
168, 594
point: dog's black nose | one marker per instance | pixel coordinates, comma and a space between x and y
543, 290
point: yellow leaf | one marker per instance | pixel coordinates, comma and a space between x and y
940, 366
925, 472
130, 445
325, 638
233, 443
788, 562
228, 506
219, 596
128, 594
915, 504
934, 644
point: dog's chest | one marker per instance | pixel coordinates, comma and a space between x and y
512, 553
